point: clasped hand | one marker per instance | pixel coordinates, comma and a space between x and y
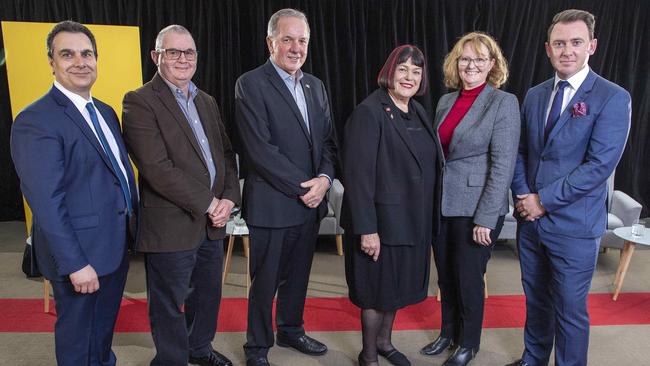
317, 188
529, 207
221, 212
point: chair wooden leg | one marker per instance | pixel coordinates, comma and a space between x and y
226, 266
46, 296
246, 241
246, 245
627, 252
339, 244
485, 282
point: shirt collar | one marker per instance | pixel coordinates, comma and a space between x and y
285, 75
178, 92
576, 80
78, 101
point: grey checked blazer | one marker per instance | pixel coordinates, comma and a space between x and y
478, 169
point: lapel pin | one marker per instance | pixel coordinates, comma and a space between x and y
307, 86
388, 111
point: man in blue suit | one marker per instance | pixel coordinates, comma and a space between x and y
76, 176
574, 129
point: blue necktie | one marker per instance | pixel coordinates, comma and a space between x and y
111, 157
556, 108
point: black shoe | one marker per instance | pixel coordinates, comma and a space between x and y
304, 344
461, 357
213, 358
363, 362
518, 363
436, 347
258, 361
395, 357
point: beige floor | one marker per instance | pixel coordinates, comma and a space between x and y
609, 345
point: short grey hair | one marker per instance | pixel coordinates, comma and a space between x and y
170, 28
272, 28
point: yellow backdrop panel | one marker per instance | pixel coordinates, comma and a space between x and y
119, 68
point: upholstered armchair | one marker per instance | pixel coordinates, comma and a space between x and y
330, 225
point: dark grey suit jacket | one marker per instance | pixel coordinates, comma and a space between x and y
278, 150
479, 167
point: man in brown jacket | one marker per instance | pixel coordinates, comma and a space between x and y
189, 185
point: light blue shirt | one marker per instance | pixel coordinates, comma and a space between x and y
189, 110
295, 88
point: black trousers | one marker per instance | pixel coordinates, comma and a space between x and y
184, 292
461, 264
280, 261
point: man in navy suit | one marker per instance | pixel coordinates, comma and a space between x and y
574, 129
284, 124
76, 176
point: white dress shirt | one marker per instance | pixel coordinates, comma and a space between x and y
80, 102
569, 91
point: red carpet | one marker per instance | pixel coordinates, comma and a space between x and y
338, 314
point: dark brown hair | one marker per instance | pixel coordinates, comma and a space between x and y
400, 55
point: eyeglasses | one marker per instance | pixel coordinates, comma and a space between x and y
478, 62
174, 54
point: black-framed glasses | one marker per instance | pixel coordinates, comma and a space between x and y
175, 54
478, 62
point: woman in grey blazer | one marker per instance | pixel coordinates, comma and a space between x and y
478, 127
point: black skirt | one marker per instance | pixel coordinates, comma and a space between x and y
400, 277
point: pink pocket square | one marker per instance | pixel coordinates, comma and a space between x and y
579, 109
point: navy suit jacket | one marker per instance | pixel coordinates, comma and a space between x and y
79, 213
570, 170
279, 151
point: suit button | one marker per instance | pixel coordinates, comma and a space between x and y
544, 158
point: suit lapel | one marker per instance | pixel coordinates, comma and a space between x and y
169, 101
391, 111
580, 95
313, 133
444, 110
281, 87
73, 113
114, 126
542, 106
472, 116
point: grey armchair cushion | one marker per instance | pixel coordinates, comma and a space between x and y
330, 225
623, 210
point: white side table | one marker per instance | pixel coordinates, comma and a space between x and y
237, 227
625, 233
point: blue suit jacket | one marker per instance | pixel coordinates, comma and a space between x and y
79, 212
570, 170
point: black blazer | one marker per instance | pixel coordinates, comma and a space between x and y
279, 151
383, 175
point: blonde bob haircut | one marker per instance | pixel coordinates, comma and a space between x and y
497, 76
